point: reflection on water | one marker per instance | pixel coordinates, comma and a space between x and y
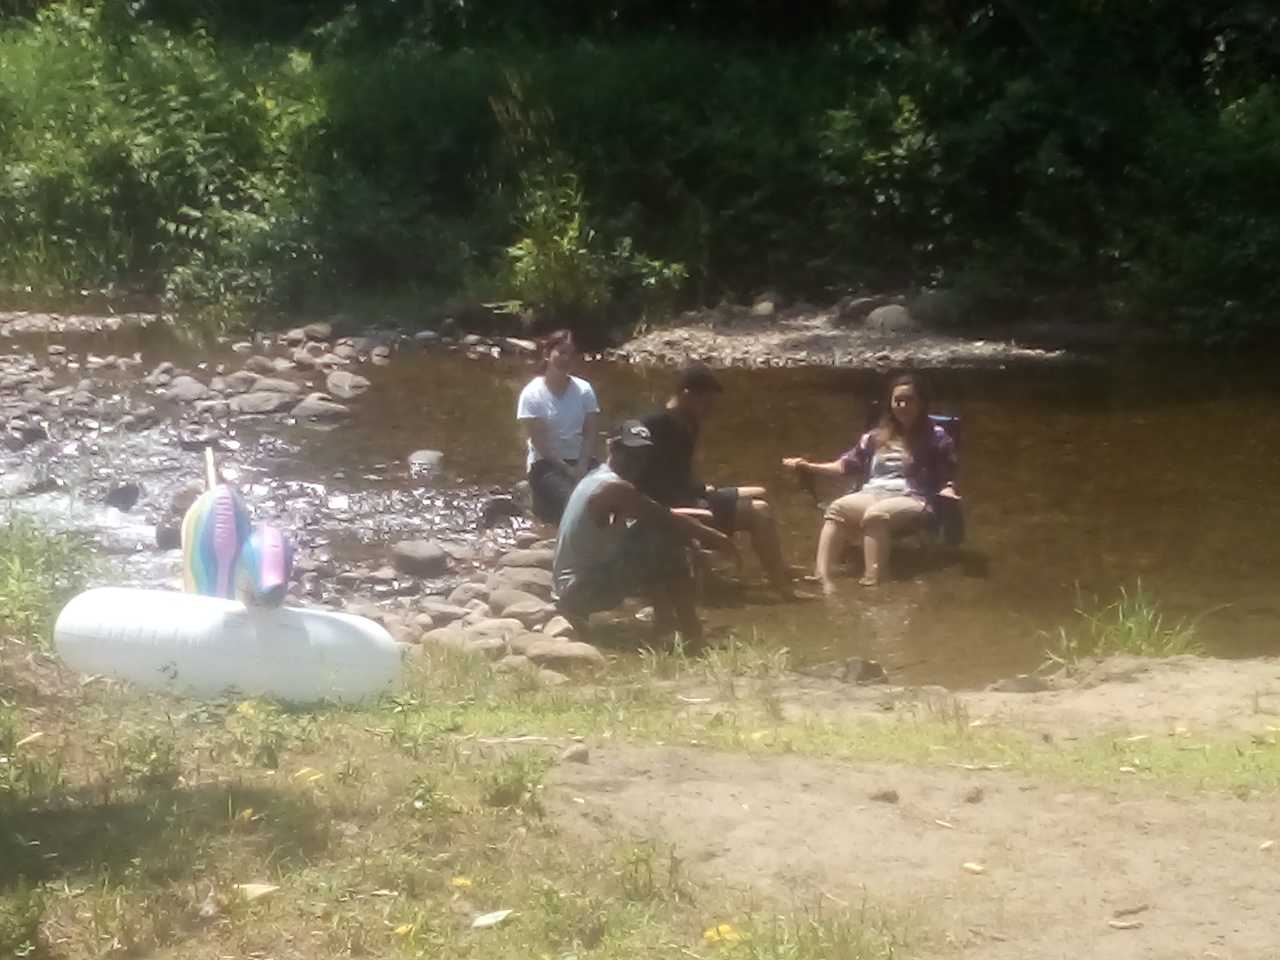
1074, 480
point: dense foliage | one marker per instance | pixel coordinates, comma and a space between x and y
592, 159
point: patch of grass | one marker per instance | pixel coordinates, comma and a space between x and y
20, 914
860, 934
39, 572
1132, 624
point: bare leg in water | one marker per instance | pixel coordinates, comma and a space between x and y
755, 517
875, 518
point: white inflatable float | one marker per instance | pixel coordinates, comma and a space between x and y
209, 647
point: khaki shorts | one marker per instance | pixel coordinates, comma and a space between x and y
902, 512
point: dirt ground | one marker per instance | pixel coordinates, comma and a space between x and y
1066, 874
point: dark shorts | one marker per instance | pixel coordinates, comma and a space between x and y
650, 557
723, 504
550, 489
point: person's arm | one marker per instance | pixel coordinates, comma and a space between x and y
623, 500
589, 444
832, 468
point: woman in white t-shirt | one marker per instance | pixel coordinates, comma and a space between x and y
558, 412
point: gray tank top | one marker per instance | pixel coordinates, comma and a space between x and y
583, 543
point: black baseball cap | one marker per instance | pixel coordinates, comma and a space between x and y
697, 377
632, 433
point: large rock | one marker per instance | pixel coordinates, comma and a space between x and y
261, 365
450, 637
531, 613
502, 627
421, 558
855, 310
533, 580
565, 655
442, 612
277, 385
893, 318
345, 385
464, 593
425, 461
505, 597
319, 406
529, 558
939, 308
557, 627
242, 381
318, 331
187, 390
260, 402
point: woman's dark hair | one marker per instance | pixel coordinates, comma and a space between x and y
890, 428
556, 338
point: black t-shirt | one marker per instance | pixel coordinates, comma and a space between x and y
668, 475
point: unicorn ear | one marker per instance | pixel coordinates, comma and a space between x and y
213, 532
264, 567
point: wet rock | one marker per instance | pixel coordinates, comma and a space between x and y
531, 613
565, 654
421, 558
557, 627
459, 552
893, 318
186, 389
263, 366
939, 308
218, 385
318, 331
242, 381
56, 350
504, 597
283, 365
426, 337
168, 536
295, 337
1023, 683
425, 461
261, 402
217, 409
276, 385
441, 611
768, 303
319, 406
300, 358
525, 538
242, 346
466, 592
529, 558
532, 580
857, 670
380, 356
346, 351
517, 345
161, 375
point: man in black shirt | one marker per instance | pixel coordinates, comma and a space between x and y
669, 476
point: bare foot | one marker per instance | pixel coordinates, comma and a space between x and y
869, 582
829, 589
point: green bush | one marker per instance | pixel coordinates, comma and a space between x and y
39, 573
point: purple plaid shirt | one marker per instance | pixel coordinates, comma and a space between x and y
927, 473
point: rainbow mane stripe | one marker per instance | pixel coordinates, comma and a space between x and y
213, 530
264, 567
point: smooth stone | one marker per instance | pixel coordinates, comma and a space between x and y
318, 331
187, 390
530, 557
318, 406
464, 593
277, 385
442, 612
425, 461
530, 612
345, 385
557, 626
488, 646
260, 402
262, 365
451, 637
505, 597
533, 580
892, 318
422, 558
501, 627
565, 654
242, 381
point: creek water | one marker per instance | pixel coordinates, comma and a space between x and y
1077, 480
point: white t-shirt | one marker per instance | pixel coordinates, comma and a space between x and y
564, 414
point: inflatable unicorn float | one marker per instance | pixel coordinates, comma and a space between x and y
229, 631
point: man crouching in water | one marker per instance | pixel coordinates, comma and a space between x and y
615, 542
